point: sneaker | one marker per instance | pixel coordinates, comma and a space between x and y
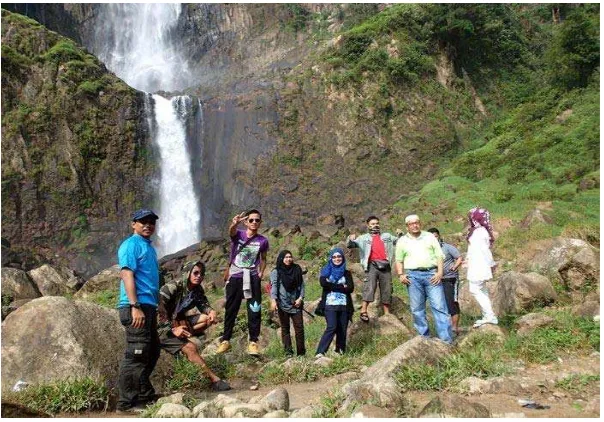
478, 323
319, 355
493, 321
220, 385
225, 346
482, 322
252, 349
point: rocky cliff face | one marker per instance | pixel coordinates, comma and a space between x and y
75, 153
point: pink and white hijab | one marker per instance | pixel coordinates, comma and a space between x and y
480, 217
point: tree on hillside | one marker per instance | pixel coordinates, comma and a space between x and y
575, 50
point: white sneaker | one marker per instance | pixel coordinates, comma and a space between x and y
481, 322
319, 355
478, 323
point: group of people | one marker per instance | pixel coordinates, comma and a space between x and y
422, 261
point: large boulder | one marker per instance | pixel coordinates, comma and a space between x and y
378, 383
518, 292
108, 279
17, 284
277, 399
54, 338
55, 281
572, 261
511, 292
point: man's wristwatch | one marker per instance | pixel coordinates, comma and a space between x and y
136, 305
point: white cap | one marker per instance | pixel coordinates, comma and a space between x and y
411, 218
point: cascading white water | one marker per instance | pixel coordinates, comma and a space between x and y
134, 41
179, 210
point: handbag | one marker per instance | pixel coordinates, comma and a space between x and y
381, 265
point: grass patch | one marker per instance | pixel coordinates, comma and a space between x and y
72, 395
105, 298
481, 361
577, 384
330, 405
570, 334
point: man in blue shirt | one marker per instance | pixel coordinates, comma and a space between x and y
137, 306
450, 280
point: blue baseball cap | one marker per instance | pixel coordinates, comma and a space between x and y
142, 213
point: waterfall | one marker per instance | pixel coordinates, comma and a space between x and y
134, 40
179, 208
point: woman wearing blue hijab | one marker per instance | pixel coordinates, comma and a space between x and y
337, 285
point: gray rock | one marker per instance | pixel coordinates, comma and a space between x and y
246, 410
176, 398
529, 322
55, 281
575, 262
173, 410
69, 339
323, 361
587, 309
449, 407
206, 409
474, 385
222, 400
108, 279
278, 399
305, 412
13, 306
535, 217
371, 411
17, 284
511, 292
378, 383
279, 414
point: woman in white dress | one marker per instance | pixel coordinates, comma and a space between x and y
480, 262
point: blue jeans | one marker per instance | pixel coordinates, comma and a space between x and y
420, 289
337, 323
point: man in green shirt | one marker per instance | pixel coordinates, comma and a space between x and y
419, 265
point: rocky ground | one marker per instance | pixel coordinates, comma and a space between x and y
537, 384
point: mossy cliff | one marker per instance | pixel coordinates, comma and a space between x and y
76, 157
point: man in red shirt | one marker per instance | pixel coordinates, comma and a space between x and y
377, 253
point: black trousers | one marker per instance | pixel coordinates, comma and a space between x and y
337, 324
286, 338
140, 357
234, 296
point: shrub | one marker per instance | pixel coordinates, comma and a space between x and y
72, 395
64, 51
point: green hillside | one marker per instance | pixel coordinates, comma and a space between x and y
453, 106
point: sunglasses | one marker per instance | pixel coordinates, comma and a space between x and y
196, 272
253, 220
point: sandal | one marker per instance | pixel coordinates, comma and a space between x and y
220, 385
364, 317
